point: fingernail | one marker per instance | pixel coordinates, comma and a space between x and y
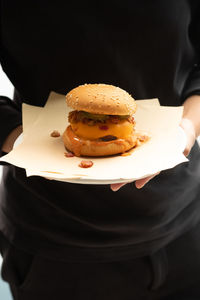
115, 189
139, 186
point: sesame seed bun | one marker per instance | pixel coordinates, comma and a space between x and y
101, 99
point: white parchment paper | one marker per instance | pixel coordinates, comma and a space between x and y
42, 155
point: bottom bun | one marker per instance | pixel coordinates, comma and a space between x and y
83, 147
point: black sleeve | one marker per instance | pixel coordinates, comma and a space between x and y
192, 86
10, 118
10, 114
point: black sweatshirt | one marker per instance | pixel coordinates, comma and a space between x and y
149, 48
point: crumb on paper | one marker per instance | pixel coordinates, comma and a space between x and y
141, 138
55, 133
69, 154
86, 164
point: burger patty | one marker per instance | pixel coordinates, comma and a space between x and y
108, 138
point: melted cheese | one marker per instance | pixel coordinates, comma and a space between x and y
121, 130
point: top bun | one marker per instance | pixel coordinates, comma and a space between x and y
101, 99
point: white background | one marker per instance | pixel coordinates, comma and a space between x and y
6, 88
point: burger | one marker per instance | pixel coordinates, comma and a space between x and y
101, 122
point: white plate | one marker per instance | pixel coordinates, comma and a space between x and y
181, 142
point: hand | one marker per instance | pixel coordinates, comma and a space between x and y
138, 183
9, 142
188, 127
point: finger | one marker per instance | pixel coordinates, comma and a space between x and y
190, 134
141, 182
186, 151
138, 183
116, 186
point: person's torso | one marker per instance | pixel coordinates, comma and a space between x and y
140, 46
